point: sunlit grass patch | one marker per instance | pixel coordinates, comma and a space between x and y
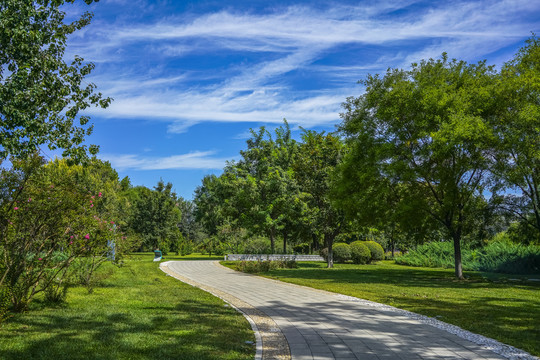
136, 313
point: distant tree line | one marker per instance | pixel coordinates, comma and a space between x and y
445, 151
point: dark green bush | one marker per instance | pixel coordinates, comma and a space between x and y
360, 253
253, 267
5, 301
342, 252
301, 248
377, 251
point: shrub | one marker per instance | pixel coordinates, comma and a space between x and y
360, 253
324, 254
497, 256
433, 254
301, 248
342, 252
377, 252
5, 301
253, 267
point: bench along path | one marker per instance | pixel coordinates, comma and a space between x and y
322, 325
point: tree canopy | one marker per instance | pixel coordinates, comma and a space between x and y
41, 95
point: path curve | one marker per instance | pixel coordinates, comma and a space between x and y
301, 323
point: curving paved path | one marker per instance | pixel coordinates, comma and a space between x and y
324, 325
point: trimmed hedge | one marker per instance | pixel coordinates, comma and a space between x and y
360, 253
342, 252
377, 251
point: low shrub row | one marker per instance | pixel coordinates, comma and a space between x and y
359, 252
496, 256
253, 267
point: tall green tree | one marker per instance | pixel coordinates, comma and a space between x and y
41, 95
317, 157
517, 126
428, 128
155, 217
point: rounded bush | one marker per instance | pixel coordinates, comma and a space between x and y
360, 253
377, 252
342, 252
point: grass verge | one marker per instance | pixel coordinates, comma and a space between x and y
492, 305
137, 312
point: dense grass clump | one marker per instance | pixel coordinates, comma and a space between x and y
496, 256
360, 253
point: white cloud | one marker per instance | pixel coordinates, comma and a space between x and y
296, 38
192, 160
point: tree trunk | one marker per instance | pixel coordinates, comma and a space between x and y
284, 242
272, 243
330, 242
457, 256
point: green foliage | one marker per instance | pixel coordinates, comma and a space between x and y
433, 254
253, 267
155, 216
5, 301
517, 159
40, 94
342, 252
257, 245
497, 256
376, 250
302, 248
360, 253
423, 137
50, 215
324, 254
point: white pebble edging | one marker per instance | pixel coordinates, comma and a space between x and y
507, 351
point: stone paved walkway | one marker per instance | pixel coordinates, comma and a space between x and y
322, 325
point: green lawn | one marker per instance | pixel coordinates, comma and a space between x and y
136, 313
488, 304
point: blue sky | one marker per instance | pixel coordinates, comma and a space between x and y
190, 78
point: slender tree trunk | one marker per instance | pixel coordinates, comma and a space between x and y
457, 256
284, 242
272, 242
330, 242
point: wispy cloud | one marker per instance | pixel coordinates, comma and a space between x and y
296, 39
193, 160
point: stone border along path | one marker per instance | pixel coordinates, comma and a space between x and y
301, 323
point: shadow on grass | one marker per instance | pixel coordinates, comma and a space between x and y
185, 330
406, 276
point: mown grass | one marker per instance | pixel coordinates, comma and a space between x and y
137, 312
493, 305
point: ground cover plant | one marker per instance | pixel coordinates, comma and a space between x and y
490, 304
136, 313
496, 256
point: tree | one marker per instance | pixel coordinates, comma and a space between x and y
40, 94
428, 128
48, 220
268, 183
318, 155
517, 149
155, 216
